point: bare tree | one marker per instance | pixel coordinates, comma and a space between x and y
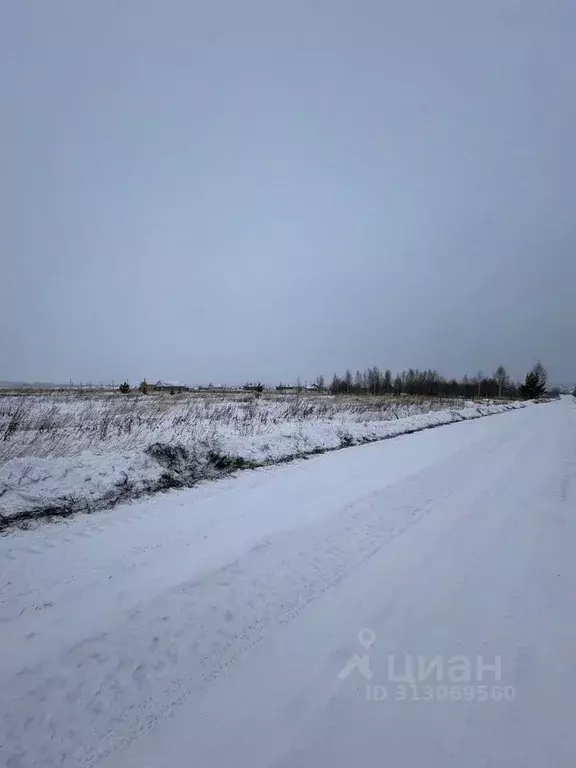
348, 380
388, 381
479, 377
502, 378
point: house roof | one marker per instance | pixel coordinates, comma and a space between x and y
165, 383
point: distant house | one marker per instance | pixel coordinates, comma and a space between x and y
290, 388
253, 387
169, 386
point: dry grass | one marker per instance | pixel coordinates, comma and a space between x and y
66, 423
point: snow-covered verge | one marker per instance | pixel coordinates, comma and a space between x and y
114, 470
211, 626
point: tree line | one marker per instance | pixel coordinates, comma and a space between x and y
430, 383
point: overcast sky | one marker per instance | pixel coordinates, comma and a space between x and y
225, 190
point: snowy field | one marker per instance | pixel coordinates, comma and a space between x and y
211, 627
66, 452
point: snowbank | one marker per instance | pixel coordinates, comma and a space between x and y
43, 486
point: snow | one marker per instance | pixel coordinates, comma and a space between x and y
209, 626
88, 478
35, 482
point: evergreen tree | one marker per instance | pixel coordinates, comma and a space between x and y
535, 383
541, 372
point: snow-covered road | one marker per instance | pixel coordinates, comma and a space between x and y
216, 626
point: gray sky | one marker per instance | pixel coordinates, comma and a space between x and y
223, 191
